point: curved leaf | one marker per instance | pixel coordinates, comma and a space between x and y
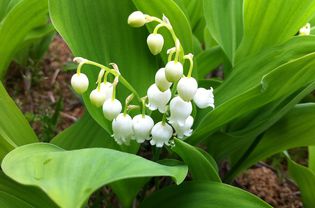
13, 194
200, 166
98, 30
224, 20
18, 22
203, 195
268, 23
263, 87
14, 128
296, 129
305, 178
50, 168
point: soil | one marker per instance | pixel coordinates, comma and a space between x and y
43, 94
265, 183
42, 91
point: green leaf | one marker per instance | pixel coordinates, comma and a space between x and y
296, 129
268, 23
18, 22
14, 128
203, 195
177, 18
85, 133
50, 167
209, 60
200, 166
225, 22
98, 31
305, 179
311, 158
275, 67
13, 194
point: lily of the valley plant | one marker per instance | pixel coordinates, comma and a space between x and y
172, 94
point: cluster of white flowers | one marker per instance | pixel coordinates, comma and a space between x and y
171, 94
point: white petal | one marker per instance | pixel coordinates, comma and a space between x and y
79, 83
180, 110
142, 126
173, 71
111, 108
187, 88
136, 19
158, 99
155, 43
161, 81
97, 97
204, 98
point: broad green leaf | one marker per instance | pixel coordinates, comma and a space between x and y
176, 17
200, 166
268, 23
233, 144
311, 158
296, 129
305, 179
203, 195
209, 60
14, 128
18, 22
50, 167
98, 30
225, 23
86, 133
194, 11
3, 8
264, 86
13, 194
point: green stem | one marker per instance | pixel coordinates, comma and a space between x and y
190, 67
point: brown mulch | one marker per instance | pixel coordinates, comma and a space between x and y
42, 89
265, 183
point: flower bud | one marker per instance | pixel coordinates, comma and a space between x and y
180, 110
161, 134
111, 108
155, 43
97, 97
107, 89
122, 129
187, 88
80, 83
157, 99
142, 126
173, 71
204, 98
305, 30
185, 130
161, 81
136, 19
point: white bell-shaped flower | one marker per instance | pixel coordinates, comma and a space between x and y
306, 30
97, 97
157, 99
107, 89
173, 71
187, 88
111, 108
155, 43
204, 98
180, 110
122, 129
161, 134
142, 126
185, 130
79, 83
161, 81
136, 19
